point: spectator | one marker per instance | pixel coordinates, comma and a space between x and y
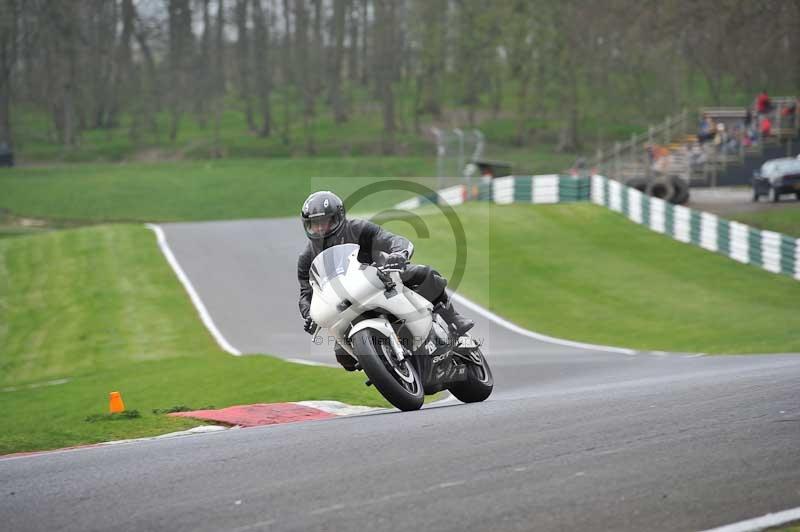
659, 156
789, 114
697, 156
763, 103
579, 169
750, 136
721, 137
706, 130
731, 145
766, 127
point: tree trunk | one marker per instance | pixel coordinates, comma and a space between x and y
180, 33
302, 75
63, 17
568, 140
124, 74
151, 100
335, 82
288, 72
243, 57
263, 66
219, 77
8, 57
316, 59
352, 29
364, 39
203, 76
384, 34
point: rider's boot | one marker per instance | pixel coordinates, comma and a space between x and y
451, 316
345, 359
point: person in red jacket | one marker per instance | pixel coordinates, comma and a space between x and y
763, 103
766, 127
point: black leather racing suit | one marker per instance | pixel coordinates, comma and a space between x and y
372, 239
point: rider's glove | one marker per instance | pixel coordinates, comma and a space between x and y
396, 261
309, 325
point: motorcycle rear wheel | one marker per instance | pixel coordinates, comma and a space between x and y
398, 381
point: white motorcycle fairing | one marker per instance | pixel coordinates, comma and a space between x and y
344, 289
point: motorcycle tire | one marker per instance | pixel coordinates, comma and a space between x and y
399, 382
479, 384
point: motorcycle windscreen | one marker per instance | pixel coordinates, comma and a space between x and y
332, 263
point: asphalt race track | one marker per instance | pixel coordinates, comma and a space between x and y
571, 439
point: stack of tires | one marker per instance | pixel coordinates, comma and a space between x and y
669, 188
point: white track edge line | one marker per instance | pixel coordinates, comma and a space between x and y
760, 523
311, 363
530, 334
193, 295
224, 344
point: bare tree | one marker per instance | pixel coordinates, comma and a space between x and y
263, 66
430, 31
62, 56
8, 58
288, 72
340, 8
302, 75
243, 60
353, 36
150, 101
180, 51
384, 69
219, 77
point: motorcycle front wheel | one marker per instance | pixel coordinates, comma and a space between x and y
480, 381
396, 380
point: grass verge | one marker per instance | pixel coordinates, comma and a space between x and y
581, 272
196, 190
100, 308
783, 220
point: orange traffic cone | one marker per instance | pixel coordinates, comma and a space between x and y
115, 404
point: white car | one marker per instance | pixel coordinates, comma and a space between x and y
777, 177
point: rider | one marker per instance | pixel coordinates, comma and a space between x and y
326, 225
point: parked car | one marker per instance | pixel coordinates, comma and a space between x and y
777, 177
6, 155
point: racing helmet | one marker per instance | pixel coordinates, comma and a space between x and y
323, 215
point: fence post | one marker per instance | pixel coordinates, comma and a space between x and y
599, 160
616, 160
441, 152
460, 169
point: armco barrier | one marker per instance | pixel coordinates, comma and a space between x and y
769, 250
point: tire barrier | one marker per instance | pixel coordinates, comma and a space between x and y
668, 188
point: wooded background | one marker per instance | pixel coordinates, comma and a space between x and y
556, 71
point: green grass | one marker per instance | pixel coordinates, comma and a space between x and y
100, 307
217, 189
784, 220
200, 190
9, 231
580, 272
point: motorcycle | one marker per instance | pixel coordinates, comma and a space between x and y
399, 339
